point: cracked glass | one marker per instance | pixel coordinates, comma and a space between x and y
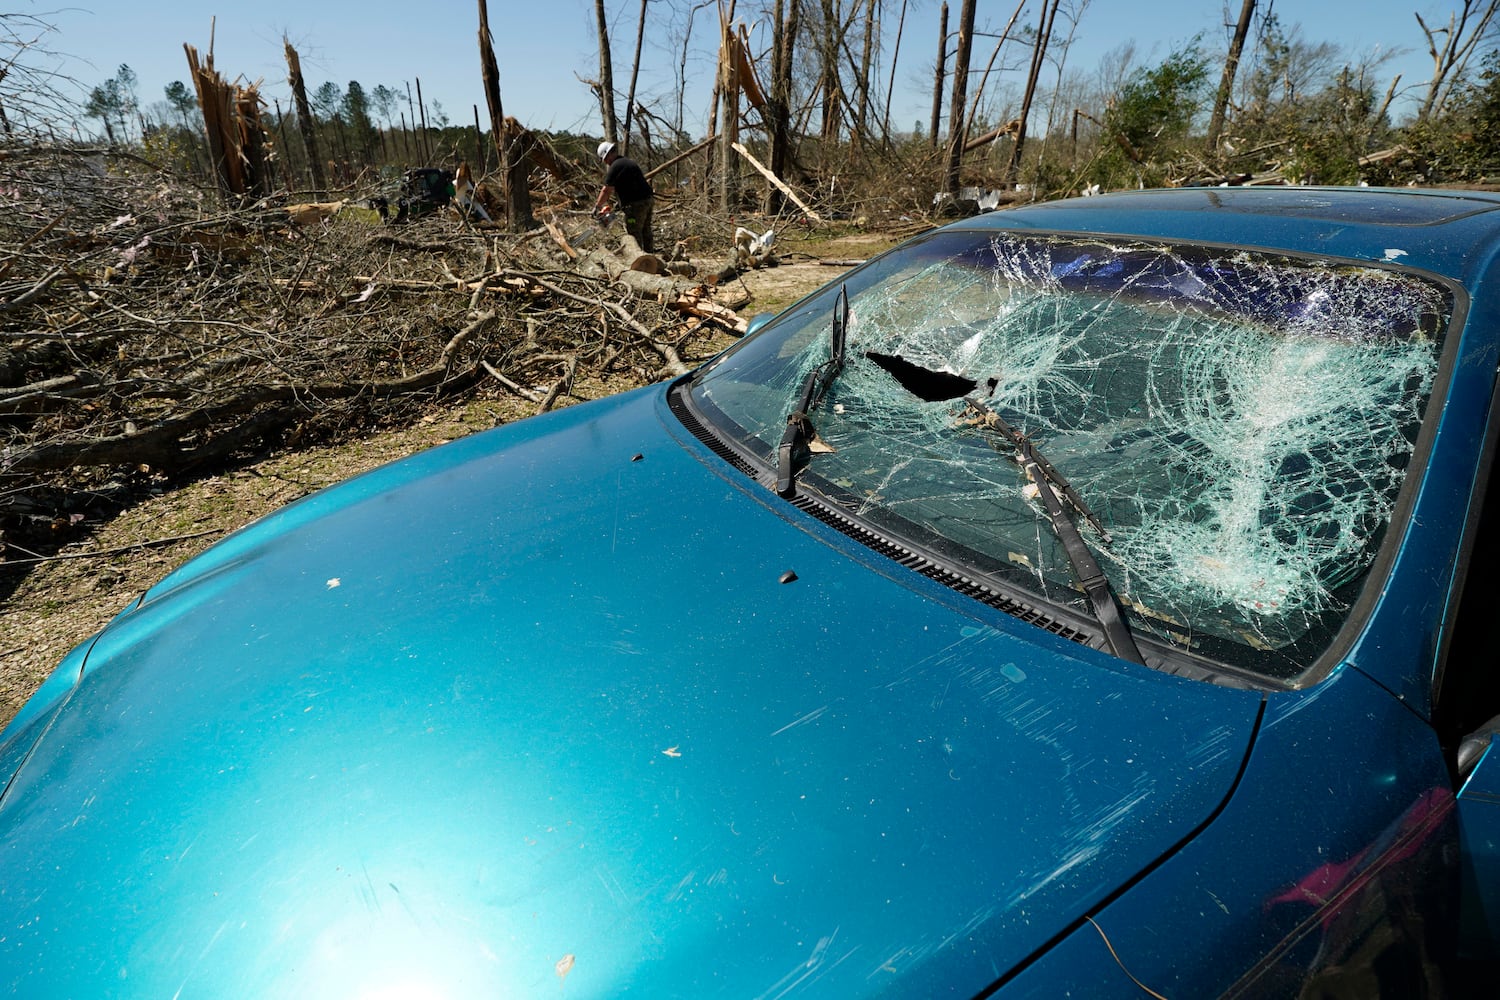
1240, 423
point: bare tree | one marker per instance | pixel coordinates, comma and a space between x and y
1451, 56
687, 38
830, 82
635, 69
860, 119
890, 88
1284, 70
937, 76
985, 76
1112, 70
606, 77
29, 87
1044, 33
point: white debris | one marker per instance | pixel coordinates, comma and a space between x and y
751, 250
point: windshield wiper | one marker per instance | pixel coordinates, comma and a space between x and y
1049, 483
800, 437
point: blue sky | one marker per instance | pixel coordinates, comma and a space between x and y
543, 48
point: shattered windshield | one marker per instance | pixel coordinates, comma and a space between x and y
1240, 424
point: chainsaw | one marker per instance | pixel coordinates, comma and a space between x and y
601, 223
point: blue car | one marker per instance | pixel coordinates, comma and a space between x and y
1090, 599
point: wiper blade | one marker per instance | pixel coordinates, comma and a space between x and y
988, 417
1049, 483
800, 438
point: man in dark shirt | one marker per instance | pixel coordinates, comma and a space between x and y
624, 179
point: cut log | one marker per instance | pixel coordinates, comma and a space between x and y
637, 259
693, 303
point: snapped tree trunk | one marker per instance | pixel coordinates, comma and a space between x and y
232, 126
415, 145
729, 96
518, 147
306, 127
426, 138
518, 198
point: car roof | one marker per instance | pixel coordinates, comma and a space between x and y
1451, 232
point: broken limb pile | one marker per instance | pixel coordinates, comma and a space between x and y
145, 334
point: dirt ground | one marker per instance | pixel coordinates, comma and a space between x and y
66, 598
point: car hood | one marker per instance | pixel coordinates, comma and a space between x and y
569, 704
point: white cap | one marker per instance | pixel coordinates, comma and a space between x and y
605, 148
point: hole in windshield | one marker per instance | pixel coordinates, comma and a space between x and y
924, 383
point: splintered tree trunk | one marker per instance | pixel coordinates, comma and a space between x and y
231, 122
489, 73
937, 77
606, 77
286, 159
253, 141
1226, 82
481, 159
960, 92
305, 124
